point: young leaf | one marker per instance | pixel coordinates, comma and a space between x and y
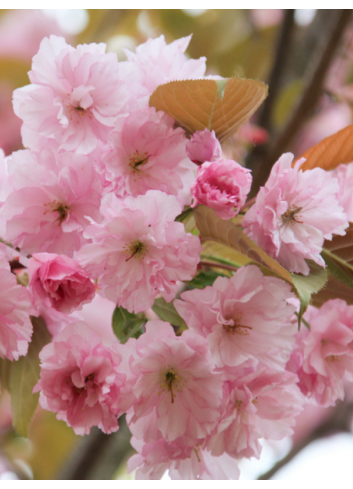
227, 233
331, 151
24, 376
306, 285
125, 324
222, 105
204, 278
338, 255
167, 312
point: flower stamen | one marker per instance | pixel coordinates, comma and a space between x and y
59, 207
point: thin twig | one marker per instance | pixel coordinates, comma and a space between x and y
282, 49
306, 104
339, 422
281, 57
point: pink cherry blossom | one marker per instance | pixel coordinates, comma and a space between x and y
61, 280
223, 186
203, 146
323, 357
80, 380
159, 63
174, 382
293, 214
15, 308
141, 241
154, 459
344, 175
146, 152
51, 197
259, 403
75, 96
244, 317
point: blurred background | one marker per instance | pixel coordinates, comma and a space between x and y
306, 57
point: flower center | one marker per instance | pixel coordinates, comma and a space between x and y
137, 160
172, 382
332, 358
59, 207
290, 216
135, 248
236, 327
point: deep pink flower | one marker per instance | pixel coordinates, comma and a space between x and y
146, 152
323, 357
174, 383
51, 197
61, 280
203, 146
158, 62
293, 214
244, 317
139, 251
223, 186
80, 380
75, 96
15, 308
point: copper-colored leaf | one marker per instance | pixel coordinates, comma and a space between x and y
331, 152
222, 105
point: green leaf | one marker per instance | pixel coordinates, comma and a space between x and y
306, 285
226, 233
24, 376
201, 104
203, 279
167, 312
339, 262
126, 325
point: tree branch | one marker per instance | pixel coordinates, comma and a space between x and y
312, 92
97, 456
339, 422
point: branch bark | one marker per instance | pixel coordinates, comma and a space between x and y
313, 89
98, 456
339, 422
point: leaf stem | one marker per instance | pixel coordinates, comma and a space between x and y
218, 265
303, 321
337, 258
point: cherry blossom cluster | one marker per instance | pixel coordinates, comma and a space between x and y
90, 215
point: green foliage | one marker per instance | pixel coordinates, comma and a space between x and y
204, 278
167, 312
24, 375
127, 325
306, 285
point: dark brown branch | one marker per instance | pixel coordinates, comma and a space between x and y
281, 54
339, 422
97, 456
312, 92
